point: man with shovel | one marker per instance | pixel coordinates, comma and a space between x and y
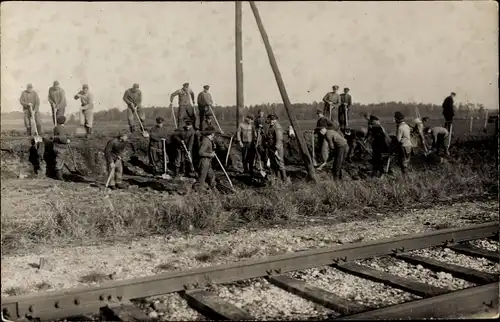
245, 135
57, 100
31, 104
323, 145
133, 99
403, 137
338, 144
205, 102
345, 105
273, 143
206, 154
87, 108
157, 146
183, 141
381, 144
186, 109
61, 142
448, 110
113, 153
331, 101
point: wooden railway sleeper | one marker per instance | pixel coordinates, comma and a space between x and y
398, 250
339, 260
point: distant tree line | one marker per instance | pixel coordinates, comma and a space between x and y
303, 111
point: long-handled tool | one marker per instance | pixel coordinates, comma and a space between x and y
173, 116
322, 166
229, 149
225, 173
215, 118
315, 163
485, 126
449, 137
37, 137
164, 175
144, 132
54, 112
188, 155
111, 174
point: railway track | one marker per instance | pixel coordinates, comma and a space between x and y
114, 300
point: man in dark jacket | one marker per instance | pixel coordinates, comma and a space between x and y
183, 140
273, 142
448, 110
323, 122
205, 103
259, 125
133, 98
157, 136
61, 142
206, 153
114, 152
57, 100
345, 105
381, 144
31, 103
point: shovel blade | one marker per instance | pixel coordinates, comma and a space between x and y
166, 176
145, 134
38, 139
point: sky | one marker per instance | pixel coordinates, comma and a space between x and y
383, 51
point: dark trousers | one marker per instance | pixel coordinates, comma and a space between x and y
205, 172
339, 155
185, 111
60, 112
448, 121
248, 156
156, 159
202, 109
441, 143
379, 162
342, 117
404, 158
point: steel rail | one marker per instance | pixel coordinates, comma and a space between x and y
83, 300
453, 304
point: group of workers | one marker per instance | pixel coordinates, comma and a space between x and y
260, 138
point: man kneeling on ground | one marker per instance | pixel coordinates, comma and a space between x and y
206, 154
60, 146
114, 153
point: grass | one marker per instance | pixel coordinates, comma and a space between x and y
69, 217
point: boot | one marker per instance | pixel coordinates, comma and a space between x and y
59, 175
89, 131
28, 131
177, 172
132, 128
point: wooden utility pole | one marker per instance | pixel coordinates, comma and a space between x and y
284, 95
239, 63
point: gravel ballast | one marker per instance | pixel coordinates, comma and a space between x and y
68, 267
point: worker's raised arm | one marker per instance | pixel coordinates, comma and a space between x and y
173, 95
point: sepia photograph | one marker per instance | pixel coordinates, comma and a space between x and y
249, 160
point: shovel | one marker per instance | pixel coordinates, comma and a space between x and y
315, 164
261, 170
229, 149
189, 155
322, 166
144, 132
449, 137
54, 117
216, 122
173, 116
37, 138
164, 175
225, 173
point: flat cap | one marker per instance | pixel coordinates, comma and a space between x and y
346, 89
185, 84
136, 85
335, 87
318, 111
399, 116
56, 83
122, 133
160, 119
85, 86
188, 122
208, 130
206, 86
272, 117
29, 85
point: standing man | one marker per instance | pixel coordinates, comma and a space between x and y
246, 138
206, 153
259, 124
345, 105
448, 110
57, 100
87, 108
186, 109
156, 159
338, 144
273, 143
133, 98
322, 144
31, 103
205, 102
403, 137
61, 142
381, 145
332, 101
